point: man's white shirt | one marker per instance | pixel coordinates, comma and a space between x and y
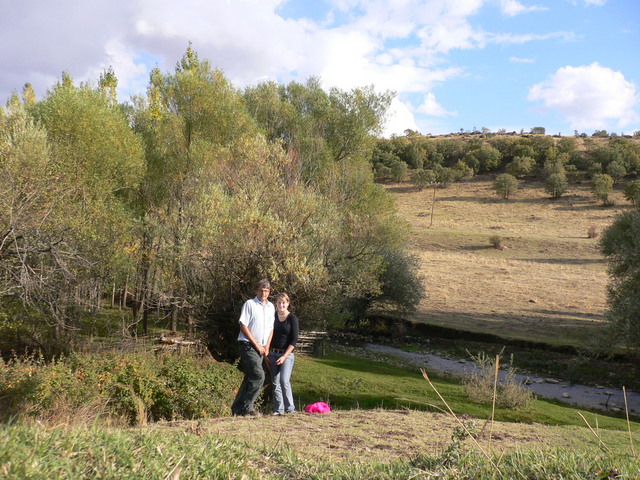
258, 318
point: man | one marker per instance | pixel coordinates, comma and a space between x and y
256, 329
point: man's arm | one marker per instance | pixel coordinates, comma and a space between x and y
247, 333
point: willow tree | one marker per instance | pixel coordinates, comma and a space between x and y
69, 178
329, 137
189, 120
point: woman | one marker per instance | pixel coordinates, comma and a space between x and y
281, 358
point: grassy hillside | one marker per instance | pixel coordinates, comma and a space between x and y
548, 283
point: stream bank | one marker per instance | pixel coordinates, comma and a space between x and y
607, 399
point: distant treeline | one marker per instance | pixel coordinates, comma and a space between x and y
453, 157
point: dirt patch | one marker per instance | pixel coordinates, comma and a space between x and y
371, 435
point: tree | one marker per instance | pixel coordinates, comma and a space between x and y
616, 170
505, 185
556, 184
632, 192
484, 159
521, 166
193, 122
399, 171
601, 186
423, 178
620, 243
445, 176
462, 171
69, 186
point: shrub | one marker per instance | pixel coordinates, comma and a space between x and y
399, 171
479, 385
445, 176
133, 386
592, 232
462, 170
496, 242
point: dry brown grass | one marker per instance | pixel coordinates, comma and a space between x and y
379, 435
548, 283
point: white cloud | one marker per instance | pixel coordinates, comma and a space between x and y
521, 60
598, 3
512, 8
510, 38
430, 106
589, 96
399, 118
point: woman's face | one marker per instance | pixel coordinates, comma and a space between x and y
282, 305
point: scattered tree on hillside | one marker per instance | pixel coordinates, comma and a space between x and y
632, 192
601, 186
521, 166
423, 178
399, 171
556, 184
616, 170
505, 185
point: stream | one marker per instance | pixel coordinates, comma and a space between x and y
610, 399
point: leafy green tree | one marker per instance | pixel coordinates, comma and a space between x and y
605, 155
620, 244
505, 185
616, 170
462, 171
632, 192
28, 95
556, 184
484, 159
87, 164
472, 161
567, 145
504, 144
445, 176
399, 171
423, 178
552, 167
601, 186
193, 121
523, 148
545, 148
521, 166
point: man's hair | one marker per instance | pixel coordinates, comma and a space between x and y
264, 283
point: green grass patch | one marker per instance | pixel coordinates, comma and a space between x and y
350, 382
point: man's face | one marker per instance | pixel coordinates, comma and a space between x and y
263, 293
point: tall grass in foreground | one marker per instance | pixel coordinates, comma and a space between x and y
30, 452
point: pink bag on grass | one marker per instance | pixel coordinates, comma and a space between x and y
318, 407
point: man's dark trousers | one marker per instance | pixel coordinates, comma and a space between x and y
253, 380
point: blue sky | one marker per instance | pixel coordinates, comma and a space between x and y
565, 65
